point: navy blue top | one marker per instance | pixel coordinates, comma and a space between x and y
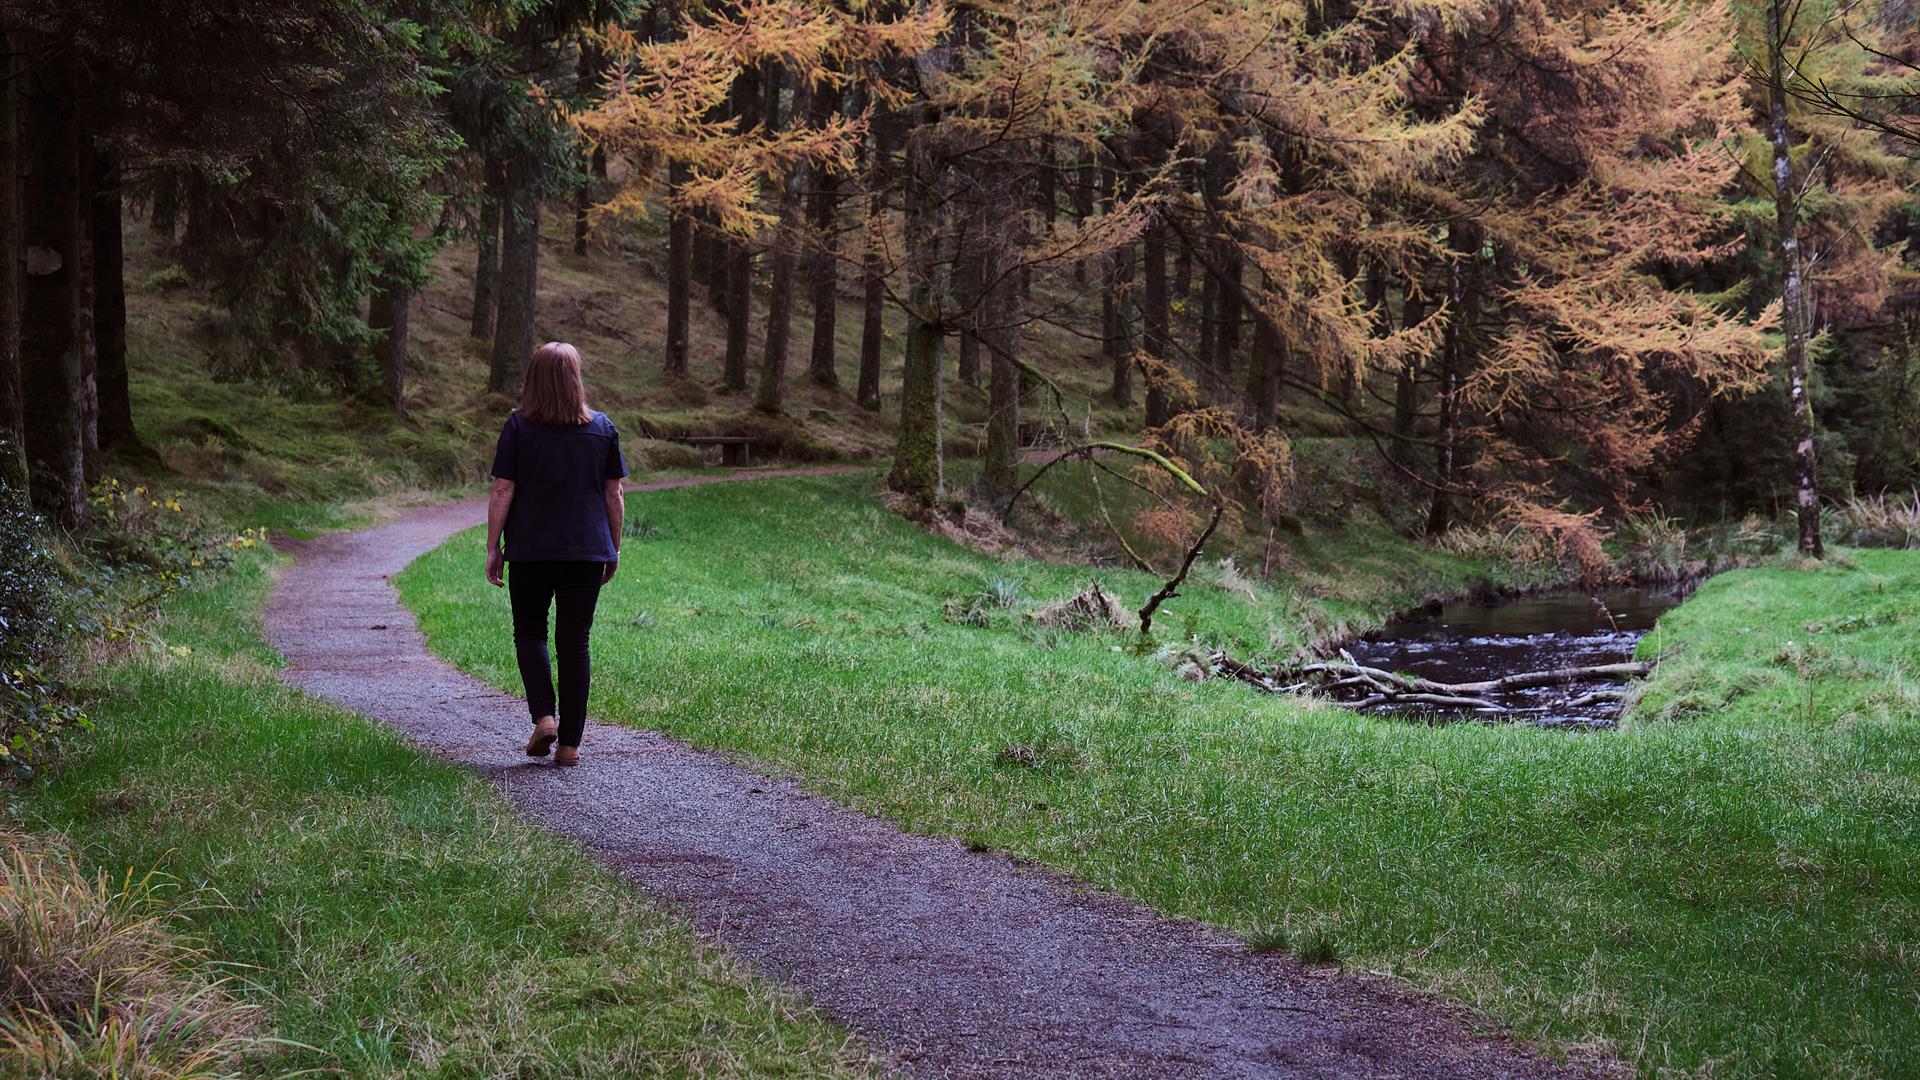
559, 476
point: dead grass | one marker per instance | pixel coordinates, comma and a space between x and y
1090, 610
92, 983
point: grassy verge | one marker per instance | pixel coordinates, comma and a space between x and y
386, 910
1732, 892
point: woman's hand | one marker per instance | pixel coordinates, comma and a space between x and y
498, 502
607, 574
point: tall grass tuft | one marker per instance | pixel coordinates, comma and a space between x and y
1514, 544
1886, 521
93, 984
1656, 547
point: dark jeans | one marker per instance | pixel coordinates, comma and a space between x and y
572, 589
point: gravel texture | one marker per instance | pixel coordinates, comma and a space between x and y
953, 963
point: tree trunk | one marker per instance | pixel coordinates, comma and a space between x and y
163, 217
1049, 186
1264, 369
1226, 335
205, 203
917, 465
388, 313
1221, 288
582, 202
873, 279
51, 335
1116, 309
86, 116
1792, 288
1209, 316
1182, 286
718, 262
1155, 324
1001, 471
110, 305
738, 306
486, 268
739, 315
519, 282
1462, 298
1406, 390
873, 299
13, 460
822, 360
966, 290
679, 272
822, 365
587, 73
773, 359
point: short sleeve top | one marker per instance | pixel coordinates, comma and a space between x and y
559, 475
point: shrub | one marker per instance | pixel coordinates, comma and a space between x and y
33, 618
139, 547
149, 535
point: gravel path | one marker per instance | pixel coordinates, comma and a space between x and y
954, 963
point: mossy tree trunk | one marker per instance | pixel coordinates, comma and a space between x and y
917, 466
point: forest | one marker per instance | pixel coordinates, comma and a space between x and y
1421, 494
1557, 263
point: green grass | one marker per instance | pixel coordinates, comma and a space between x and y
389, 911
1732, 891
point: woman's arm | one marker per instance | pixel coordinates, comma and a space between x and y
497, 505
616, 520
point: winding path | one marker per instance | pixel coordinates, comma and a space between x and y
954, 963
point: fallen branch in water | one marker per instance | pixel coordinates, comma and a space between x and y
1359, 686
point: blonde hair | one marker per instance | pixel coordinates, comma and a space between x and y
553, 392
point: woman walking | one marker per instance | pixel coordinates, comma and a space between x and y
556, 500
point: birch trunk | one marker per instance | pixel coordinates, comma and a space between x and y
1792, 288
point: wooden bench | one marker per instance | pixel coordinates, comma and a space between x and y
736, 451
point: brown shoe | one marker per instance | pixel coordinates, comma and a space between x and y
567, 755
545, 730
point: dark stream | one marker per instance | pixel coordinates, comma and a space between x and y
1466, 641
